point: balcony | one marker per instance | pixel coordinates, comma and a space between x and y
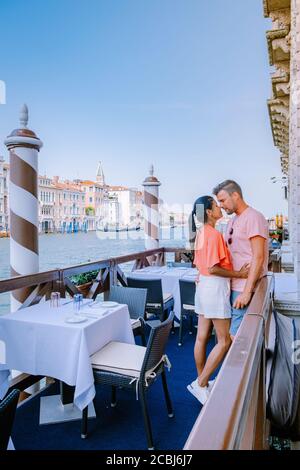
242, 423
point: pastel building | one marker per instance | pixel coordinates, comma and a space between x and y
47, 204
69, 213
68, 206
129, 204
95, 201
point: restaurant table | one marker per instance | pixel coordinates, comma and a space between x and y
39, 340
170, 280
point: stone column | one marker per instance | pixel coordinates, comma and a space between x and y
151, 210
294, 135
23, 146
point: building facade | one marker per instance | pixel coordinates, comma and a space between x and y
130, 204
284, 107
79, 205
95, 203
70, 208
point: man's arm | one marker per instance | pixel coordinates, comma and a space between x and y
257, 247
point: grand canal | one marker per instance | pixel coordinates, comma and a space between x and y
57, 251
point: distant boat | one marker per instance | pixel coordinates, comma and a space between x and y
118, 228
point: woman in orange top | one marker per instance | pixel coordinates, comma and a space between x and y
212, 298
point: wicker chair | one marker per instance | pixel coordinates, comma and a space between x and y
7, 415
134, 367
187, 301
157, 303
136, 301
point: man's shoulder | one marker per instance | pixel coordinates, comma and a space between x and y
254, 213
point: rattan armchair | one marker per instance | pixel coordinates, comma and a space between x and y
157, 303
134, 367
136, 301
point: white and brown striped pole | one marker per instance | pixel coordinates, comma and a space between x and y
23, 146
151, 210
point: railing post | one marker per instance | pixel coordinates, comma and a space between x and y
151, 212
23, 146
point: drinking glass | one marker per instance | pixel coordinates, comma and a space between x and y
55, 299
77, 303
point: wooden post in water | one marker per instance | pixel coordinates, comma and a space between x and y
151, 210
23, 146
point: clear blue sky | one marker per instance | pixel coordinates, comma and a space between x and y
181, 84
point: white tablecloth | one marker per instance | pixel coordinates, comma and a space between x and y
39, 341
169, 278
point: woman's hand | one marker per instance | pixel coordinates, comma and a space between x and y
244, 271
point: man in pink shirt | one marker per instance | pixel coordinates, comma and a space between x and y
247, 239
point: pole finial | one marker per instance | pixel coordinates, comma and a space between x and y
151, 170
24, 116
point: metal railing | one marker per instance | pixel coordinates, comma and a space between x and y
234, 417
59, 280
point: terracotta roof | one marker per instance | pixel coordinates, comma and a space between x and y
91, 183
67, 186
117, 188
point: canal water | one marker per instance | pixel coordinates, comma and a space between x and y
62, 250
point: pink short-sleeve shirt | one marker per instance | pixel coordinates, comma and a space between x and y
249, 224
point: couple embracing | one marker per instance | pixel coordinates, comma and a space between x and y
228, 273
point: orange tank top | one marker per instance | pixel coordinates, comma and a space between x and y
211, 249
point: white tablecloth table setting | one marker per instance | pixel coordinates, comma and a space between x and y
170, 280
39, 340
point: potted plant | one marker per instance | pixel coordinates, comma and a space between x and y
84, 281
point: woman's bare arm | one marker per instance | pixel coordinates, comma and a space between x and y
218, 271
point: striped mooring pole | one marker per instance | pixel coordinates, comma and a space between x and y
23, 146
151, 210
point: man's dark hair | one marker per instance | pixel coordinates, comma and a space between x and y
229, 186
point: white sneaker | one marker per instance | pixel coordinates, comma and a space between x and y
211, 384
201, 393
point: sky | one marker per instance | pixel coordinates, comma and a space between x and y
180, 84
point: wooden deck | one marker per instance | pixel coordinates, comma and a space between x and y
240, 388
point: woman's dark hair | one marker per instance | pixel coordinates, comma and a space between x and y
199, 213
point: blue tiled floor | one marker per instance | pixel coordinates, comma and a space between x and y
121, 427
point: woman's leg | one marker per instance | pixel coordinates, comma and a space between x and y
218, 352
205, 326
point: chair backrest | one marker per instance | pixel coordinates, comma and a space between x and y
176, 264
156, 344
133, 297
187, 292
154, 290
7, 415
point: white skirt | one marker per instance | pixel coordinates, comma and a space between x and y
212, 298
